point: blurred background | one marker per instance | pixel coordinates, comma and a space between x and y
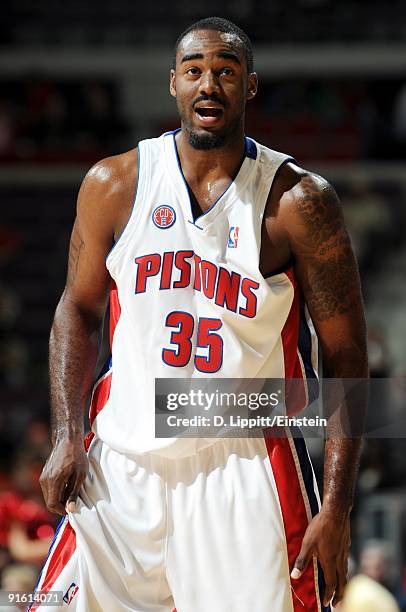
82, 80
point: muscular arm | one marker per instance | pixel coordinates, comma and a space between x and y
327, 272
74, 337
103, 206
312, 227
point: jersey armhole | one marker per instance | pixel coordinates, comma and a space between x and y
135, 210
266, 192
264, 198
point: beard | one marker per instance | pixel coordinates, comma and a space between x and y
205, 141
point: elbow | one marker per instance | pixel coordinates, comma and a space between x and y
348, 361
73, 313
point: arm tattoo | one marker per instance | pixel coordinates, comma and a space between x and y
332, 286
76, 246
331, 282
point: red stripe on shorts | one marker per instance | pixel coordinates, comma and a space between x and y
58, 560
294, 519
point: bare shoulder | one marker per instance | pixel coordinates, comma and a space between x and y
113, 174
305, 191
107, 191
307, 204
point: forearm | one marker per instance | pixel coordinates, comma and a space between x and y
347, 404
341, 463
73, 353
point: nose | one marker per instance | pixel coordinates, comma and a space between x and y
209, 83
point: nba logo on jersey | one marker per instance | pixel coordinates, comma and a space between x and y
233, 237
70, 593
164, 217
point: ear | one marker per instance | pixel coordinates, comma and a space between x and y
252, 85
172, 83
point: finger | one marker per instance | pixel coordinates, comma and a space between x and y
67, 489
52, 488
341, 583
43, 481
302, 561
73, 495
56, 508
54, 504
55, 494
339, 592
330, 578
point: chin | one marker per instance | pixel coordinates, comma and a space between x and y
206, 140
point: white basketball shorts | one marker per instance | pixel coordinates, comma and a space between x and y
218, 531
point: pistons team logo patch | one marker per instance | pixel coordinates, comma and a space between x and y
70, 593
164, 217
233, 237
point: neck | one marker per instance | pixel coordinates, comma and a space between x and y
199, 163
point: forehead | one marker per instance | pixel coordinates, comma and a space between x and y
210, 42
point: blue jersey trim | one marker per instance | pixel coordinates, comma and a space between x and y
307, 474
305, 350
106, 367
61, 522
250, 148
250, 151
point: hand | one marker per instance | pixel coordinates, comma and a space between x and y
328, 539
64, 474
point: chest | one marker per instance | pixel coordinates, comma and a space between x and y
205, 193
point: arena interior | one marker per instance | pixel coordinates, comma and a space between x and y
83, 80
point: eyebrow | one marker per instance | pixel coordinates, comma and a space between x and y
223, 55
229, 55
191, 56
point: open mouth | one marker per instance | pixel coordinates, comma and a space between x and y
209, 116
209, 112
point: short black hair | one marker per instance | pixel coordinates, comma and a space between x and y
220, 25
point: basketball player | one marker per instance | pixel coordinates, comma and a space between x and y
208, 243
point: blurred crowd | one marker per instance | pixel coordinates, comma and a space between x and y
26, 526
53, 121
99, 22
50, 121
332, 119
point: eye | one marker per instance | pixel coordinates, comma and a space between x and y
193, 71
226, 71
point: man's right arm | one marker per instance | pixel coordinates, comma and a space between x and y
104, 204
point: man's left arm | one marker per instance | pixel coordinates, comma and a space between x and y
328, 275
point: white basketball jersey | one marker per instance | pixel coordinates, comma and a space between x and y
188, 299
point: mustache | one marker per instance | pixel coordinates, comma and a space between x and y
212, 98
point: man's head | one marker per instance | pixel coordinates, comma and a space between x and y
212, 79
376, 560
